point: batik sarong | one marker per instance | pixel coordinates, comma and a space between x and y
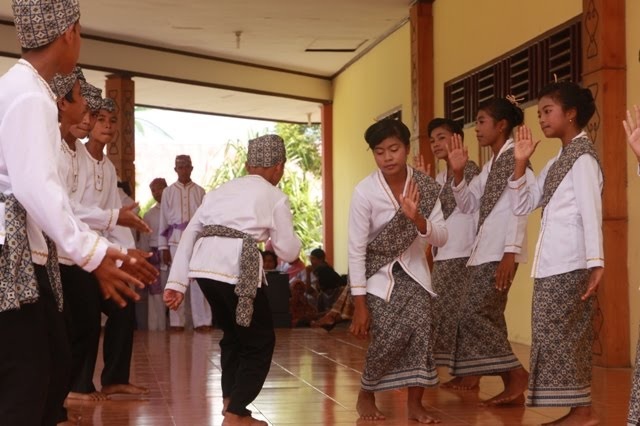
560, 372
449, 280
400, 352
482, 347
633, 417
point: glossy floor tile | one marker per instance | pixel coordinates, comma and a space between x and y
314, 380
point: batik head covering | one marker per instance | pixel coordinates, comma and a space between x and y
62, 84
183, 160
78, 71
108, 104
266, 151
92, 95
40, 22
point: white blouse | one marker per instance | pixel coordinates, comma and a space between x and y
571, 229
461, 228
372, 207
502, 231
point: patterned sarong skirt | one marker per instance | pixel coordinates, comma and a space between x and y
449, 279
400, 352
633, 418
482, 347
560, 371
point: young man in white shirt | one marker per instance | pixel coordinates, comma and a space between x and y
218, 249
179, 203
101, 190
35, 365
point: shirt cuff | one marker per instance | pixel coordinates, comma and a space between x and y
98, 252
163, 247
113, 220
177, 286
512, 249
517, 184
358, 290
429, 229
596, 262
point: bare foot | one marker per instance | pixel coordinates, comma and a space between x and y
93, 396
421, 415
126, 388
515, 383
231, 419
366, 407
203, 328
577, 416
462, 383
225, 405
330, 318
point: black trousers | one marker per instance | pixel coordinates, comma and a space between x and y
118, 342
83, 304
34, 361
82, 312
246, 352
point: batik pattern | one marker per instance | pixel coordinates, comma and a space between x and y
482, 347
560, 371
400, 352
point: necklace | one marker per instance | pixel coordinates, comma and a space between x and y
37, 74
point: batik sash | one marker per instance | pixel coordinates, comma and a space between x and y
400, 232
250, 278
496, 183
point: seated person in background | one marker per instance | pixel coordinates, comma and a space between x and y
329, 282
342, 310
302, 312
269, 261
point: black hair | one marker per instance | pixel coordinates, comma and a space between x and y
126, 188
503, 109
570, 95
69, 96
447, 123
387, 128
319, 253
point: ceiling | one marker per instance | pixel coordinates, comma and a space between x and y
269, 33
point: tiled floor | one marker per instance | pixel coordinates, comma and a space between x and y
314, 380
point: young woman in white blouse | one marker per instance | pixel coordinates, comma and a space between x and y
569, 260
482, 347
395, 213
632, 128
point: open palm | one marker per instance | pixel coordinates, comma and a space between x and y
632, 129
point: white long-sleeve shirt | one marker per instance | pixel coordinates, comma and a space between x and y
101, 190
29, 150
372, 207
571, 229
179, 203
73, 167
151, 218
248, 204
502, 231
461, 228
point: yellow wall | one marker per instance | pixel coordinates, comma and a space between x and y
463, 41
377, 83
633, 189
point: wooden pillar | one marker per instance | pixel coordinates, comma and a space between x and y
122, 151
421, 18
327, 179
604, 73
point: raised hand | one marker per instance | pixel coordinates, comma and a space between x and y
419, 164
141, 269
524, 146
633, 131
114, 282
172, 299
457, 157
409, 201
129, 219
